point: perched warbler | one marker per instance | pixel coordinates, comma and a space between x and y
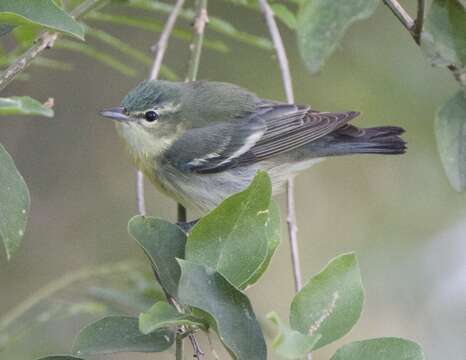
202, 141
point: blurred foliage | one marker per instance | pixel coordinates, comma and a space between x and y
219, 261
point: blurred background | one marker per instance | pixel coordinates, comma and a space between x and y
399, 214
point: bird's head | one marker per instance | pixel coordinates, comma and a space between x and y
149, 117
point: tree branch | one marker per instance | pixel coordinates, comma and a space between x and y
200, 21
159, 53
401, 14
45, 41
419, 23
415, 28
288, 87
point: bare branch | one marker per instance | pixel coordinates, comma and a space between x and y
419, 23
199, 24
44, 41
161, 45
159, 50
288, 87
415, 28
279, 48
401, 14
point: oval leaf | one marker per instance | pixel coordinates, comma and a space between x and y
162, 315
120, 334
232, 315
14, 203
322, 24
450, 131
331, 302
289, 343
39, 12
231, 238
380, 349
23, 105
444, 36
162, 242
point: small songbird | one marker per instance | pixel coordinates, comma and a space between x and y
201, 141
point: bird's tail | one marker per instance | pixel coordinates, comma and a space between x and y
352, 140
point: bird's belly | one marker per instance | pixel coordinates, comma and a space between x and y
205, 191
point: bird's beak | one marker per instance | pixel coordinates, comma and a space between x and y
116, 113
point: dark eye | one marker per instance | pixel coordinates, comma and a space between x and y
151, 116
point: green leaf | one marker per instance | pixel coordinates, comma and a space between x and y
273, 236
95, 54
40, 12
331, 302
380, 349
231, 238
450, 131
163, 315
162, 242
23, 105
232, 316
444, 36
289, 343
120, 334
60, 357
285, 15
322, 24
14, 204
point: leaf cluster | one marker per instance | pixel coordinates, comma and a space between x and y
204, 274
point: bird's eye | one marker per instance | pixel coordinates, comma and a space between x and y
151, 116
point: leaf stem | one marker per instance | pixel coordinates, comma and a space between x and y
288, 87
45, 41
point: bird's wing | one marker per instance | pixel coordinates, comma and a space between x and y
216, 147
292, 126
272, 129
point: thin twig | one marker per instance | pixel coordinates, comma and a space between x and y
200, 21
160, 49
159, 53
288, 87
45, 41
415, 28
161, 45
401, 14
419, 23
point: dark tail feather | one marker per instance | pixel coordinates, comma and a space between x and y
352, 140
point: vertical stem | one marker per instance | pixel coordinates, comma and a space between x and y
200, 21
288, 87
159, 50
419, 23
178, 348
140, 199
159, 53
199, 24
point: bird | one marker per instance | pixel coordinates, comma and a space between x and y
200, 142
